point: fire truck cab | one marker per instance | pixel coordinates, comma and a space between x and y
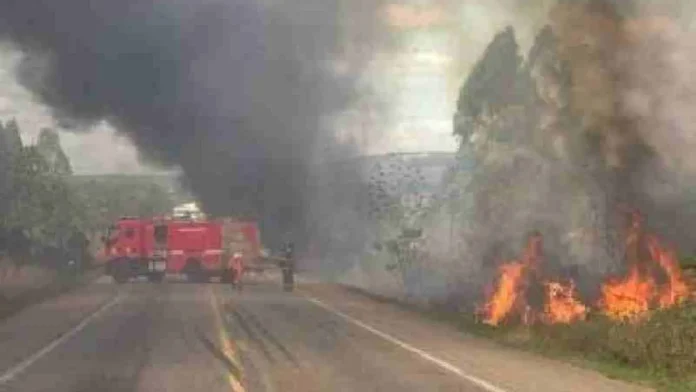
130, 247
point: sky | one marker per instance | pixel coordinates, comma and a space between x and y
416, 84
101, 150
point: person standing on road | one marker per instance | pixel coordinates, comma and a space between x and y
288, 267
238, 270
77, 245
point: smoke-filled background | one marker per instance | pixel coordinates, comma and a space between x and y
564, 133
566, 137
238, 93
576, 112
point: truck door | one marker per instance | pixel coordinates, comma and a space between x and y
160, 235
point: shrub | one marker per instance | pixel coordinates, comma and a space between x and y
665, 343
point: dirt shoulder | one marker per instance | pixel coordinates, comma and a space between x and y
30, 285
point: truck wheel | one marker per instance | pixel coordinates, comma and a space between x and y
118, 269
199, 277
195, 273
120, 277
155, 278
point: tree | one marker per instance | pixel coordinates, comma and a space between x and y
108, 198
39, 209
492, 84
10, 139
10, 147
50, 148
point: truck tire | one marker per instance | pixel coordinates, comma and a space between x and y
194, 272
155, 277
120, 277
120, 271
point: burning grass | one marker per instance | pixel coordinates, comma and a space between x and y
643, 319
654, 280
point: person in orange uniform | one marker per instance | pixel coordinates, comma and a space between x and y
237, 264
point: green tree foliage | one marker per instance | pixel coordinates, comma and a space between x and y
10, 148
43, 208
10, 142
492, 84
107, 198
49, 147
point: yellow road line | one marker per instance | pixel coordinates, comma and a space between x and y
226, 344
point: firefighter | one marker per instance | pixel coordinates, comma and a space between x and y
76, 249
237, 269
288, 266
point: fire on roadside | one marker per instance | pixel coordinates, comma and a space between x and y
561, 305
506, 295
627, 298
509, 296
653, 280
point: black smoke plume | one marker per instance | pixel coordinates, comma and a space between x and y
236, 92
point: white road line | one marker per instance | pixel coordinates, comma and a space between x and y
428, 357
14, 371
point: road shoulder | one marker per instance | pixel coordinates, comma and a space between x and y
506, 368
36, 326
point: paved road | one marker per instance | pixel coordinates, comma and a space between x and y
188, 337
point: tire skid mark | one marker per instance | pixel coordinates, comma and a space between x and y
250, 360
227, 349
253, 336
269, 336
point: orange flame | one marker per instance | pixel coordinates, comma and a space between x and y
631, 298
628, 298
562, 307
676, 290
506, 295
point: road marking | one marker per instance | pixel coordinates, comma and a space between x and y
428, 357
14, 371
227, 348
264, 376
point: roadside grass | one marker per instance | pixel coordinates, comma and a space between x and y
61, 285
659, 352
688, 262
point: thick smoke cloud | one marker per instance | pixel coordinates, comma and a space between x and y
236, 92
603, 126
634, 90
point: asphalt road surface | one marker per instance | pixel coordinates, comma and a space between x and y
177, 336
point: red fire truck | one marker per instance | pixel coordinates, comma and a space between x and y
199, 249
